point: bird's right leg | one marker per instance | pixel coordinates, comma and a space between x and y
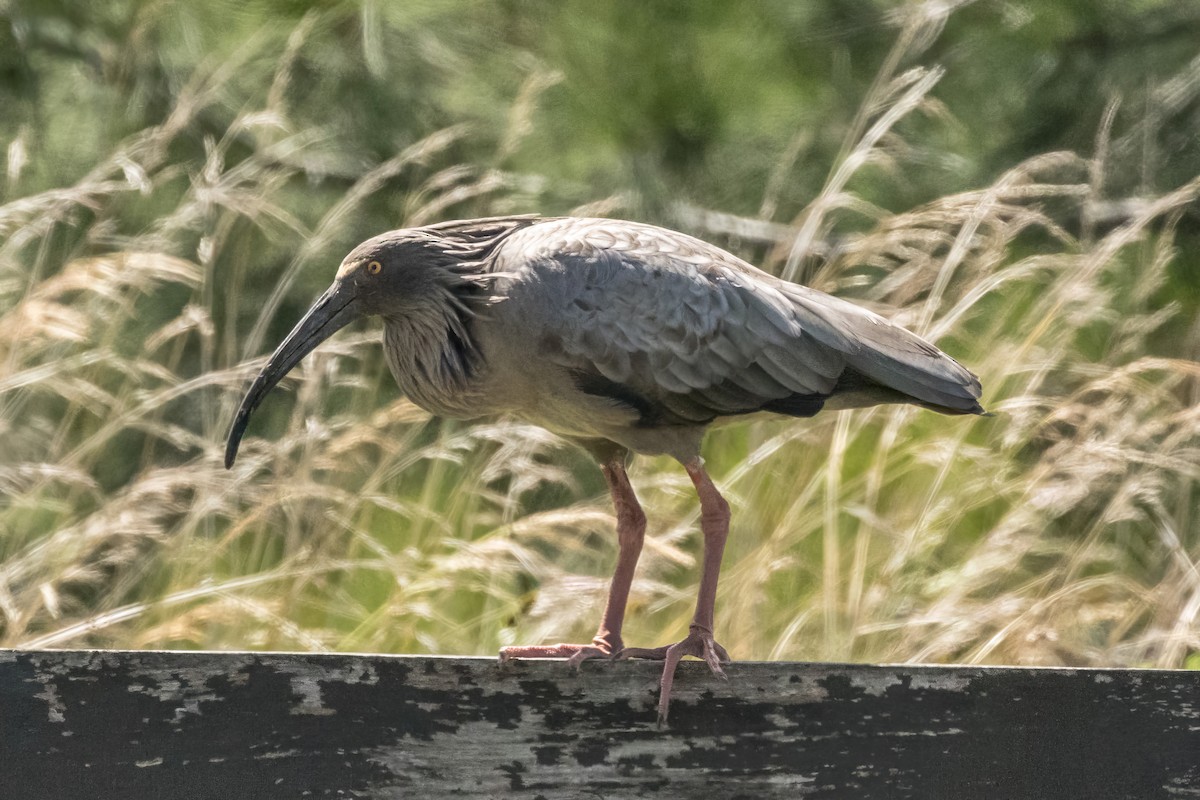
699, 643
631, 532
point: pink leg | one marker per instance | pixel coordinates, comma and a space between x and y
714, 524
631, 531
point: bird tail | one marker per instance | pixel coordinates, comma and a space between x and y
886, 363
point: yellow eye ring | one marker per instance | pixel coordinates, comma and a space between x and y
374, 267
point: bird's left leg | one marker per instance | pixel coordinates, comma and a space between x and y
631, 532
714, 524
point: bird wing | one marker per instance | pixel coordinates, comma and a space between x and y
684, 332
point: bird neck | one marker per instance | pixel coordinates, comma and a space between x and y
432, 356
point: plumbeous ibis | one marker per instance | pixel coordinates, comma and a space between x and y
625, 338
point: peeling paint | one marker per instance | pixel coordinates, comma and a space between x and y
277, 754
307, 686
308, 690
288, 725
55, 710
946, 681
875, 684
185, 688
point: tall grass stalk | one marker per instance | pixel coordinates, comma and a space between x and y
1063, 530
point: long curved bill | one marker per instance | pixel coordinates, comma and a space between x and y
333, 311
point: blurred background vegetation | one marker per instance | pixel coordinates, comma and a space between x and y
1016, 180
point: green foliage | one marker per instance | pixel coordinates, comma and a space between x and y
1017, 181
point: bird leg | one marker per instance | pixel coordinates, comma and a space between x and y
631, 531
699, 643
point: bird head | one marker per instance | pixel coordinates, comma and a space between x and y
430, 274
392, 275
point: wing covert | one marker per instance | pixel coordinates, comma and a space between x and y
693, 332
680, 323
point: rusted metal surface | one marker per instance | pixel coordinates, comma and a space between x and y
85, 724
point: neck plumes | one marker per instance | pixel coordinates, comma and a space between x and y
430, 350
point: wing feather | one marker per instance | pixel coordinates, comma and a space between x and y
693, 331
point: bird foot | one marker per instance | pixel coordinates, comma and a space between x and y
699, 643
575, 654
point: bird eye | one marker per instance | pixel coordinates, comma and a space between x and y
373, 267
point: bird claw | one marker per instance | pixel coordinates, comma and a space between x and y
587, 652
699, 643
575, 654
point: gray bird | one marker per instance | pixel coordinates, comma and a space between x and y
625, 338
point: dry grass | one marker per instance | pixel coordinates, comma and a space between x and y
1064, 530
